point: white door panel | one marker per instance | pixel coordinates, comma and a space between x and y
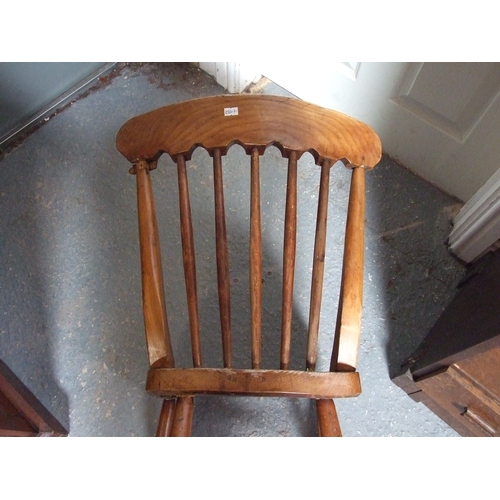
441, 120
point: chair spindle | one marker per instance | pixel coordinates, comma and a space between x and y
289, 249
188, 255
222, 261
255, 259
318, 267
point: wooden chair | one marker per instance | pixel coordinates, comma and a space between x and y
254, 122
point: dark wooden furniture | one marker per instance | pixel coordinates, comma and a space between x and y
456, 369
21, 414
255, 122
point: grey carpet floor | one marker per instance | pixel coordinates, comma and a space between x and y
71, 323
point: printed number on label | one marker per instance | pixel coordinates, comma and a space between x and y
230, 111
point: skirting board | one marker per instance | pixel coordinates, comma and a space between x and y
476, 228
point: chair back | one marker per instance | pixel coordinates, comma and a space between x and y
255, 122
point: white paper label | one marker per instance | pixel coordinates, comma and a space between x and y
230, 111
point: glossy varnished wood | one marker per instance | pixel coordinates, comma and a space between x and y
188, 381
261, 120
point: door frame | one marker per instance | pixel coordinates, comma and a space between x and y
476, 227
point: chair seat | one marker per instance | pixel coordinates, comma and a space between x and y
172, 382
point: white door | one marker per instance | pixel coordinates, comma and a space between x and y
440, 120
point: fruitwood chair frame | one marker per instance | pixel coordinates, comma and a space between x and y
254, 122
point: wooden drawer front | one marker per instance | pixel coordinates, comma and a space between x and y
465, 400
12, 422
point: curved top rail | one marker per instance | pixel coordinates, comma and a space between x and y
252, 121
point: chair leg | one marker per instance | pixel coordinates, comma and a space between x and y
166, 418
328, 422
183, 417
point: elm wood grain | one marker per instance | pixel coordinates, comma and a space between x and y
21, 413
262, 120
153, 295
255, 259
222, 261
166, 418
318, 267
168, 382
289, 251
188, 255
328, 421
348, 328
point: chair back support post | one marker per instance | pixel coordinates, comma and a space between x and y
153, 296
348, 328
